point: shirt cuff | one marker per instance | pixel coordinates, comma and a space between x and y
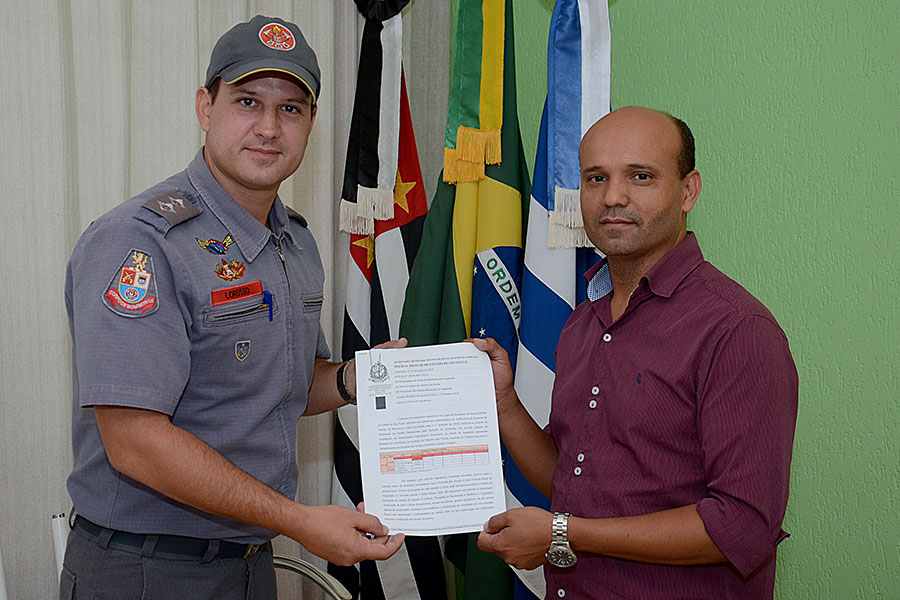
119, 395
739, 532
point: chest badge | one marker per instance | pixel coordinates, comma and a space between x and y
230, 271
215, 246
132, 290
242, 350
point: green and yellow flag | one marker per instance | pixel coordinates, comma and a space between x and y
475, 115
466, 278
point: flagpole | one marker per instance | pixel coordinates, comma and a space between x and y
2, 578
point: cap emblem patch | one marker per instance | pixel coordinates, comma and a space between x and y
277, 36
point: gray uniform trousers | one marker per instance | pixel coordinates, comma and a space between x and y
94, 572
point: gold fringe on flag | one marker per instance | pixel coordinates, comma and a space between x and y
475, 114
461, 171
478, 145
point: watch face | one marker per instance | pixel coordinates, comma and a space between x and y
561, 556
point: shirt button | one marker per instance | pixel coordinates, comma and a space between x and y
581, 457
595, 390
592, 404
606, 337
561, 593
577, 471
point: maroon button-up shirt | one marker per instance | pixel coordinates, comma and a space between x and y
689, 398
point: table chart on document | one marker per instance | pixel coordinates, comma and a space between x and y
432, 459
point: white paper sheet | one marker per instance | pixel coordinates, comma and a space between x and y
429, 439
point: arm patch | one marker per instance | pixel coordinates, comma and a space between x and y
132, 290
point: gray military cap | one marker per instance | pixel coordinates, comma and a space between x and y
264, 44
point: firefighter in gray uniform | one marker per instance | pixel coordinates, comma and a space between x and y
194, 312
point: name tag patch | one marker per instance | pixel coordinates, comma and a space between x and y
236, 292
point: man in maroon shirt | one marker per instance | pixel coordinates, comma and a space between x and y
667, 456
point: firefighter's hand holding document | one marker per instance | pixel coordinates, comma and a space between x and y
429, 439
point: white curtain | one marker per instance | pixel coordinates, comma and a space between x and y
99, 105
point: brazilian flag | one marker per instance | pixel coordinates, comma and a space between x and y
466, 277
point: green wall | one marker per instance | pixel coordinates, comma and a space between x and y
795, 109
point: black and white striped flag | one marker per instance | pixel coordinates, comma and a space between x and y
383, 207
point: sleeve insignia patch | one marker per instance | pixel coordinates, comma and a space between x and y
132, 290
215, 246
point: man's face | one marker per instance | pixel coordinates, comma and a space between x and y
633, 199
256, 131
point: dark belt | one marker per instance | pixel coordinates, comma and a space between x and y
168, 545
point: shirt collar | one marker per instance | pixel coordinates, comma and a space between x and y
665, 275
279, 222
250, 235
662, 278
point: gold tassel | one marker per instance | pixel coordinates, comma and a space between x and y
478, 145
457, 170
492, 148
450, 175
469, 171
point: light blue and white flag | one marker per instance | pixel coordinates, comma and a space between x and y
557, 251
578, 76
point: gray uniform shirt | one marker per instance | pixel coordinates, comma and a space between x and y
180, 302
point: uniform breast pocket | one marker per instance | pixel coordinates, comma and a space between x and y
312, 302
237, 304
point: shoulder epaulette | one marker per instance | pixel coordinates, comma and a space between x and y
295, 215
173, 206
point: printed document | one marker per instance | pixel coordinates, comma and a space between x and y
429, 443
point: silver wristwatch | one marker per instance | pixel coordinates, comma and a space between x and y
560, 553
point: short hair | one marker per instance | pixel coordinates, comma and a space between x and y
214, 89
686, 156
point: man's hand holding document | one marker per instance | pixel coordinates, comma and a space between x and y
429, 439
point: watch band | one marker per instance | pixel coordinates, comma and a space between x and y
342, 387
560, 553
560, 528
